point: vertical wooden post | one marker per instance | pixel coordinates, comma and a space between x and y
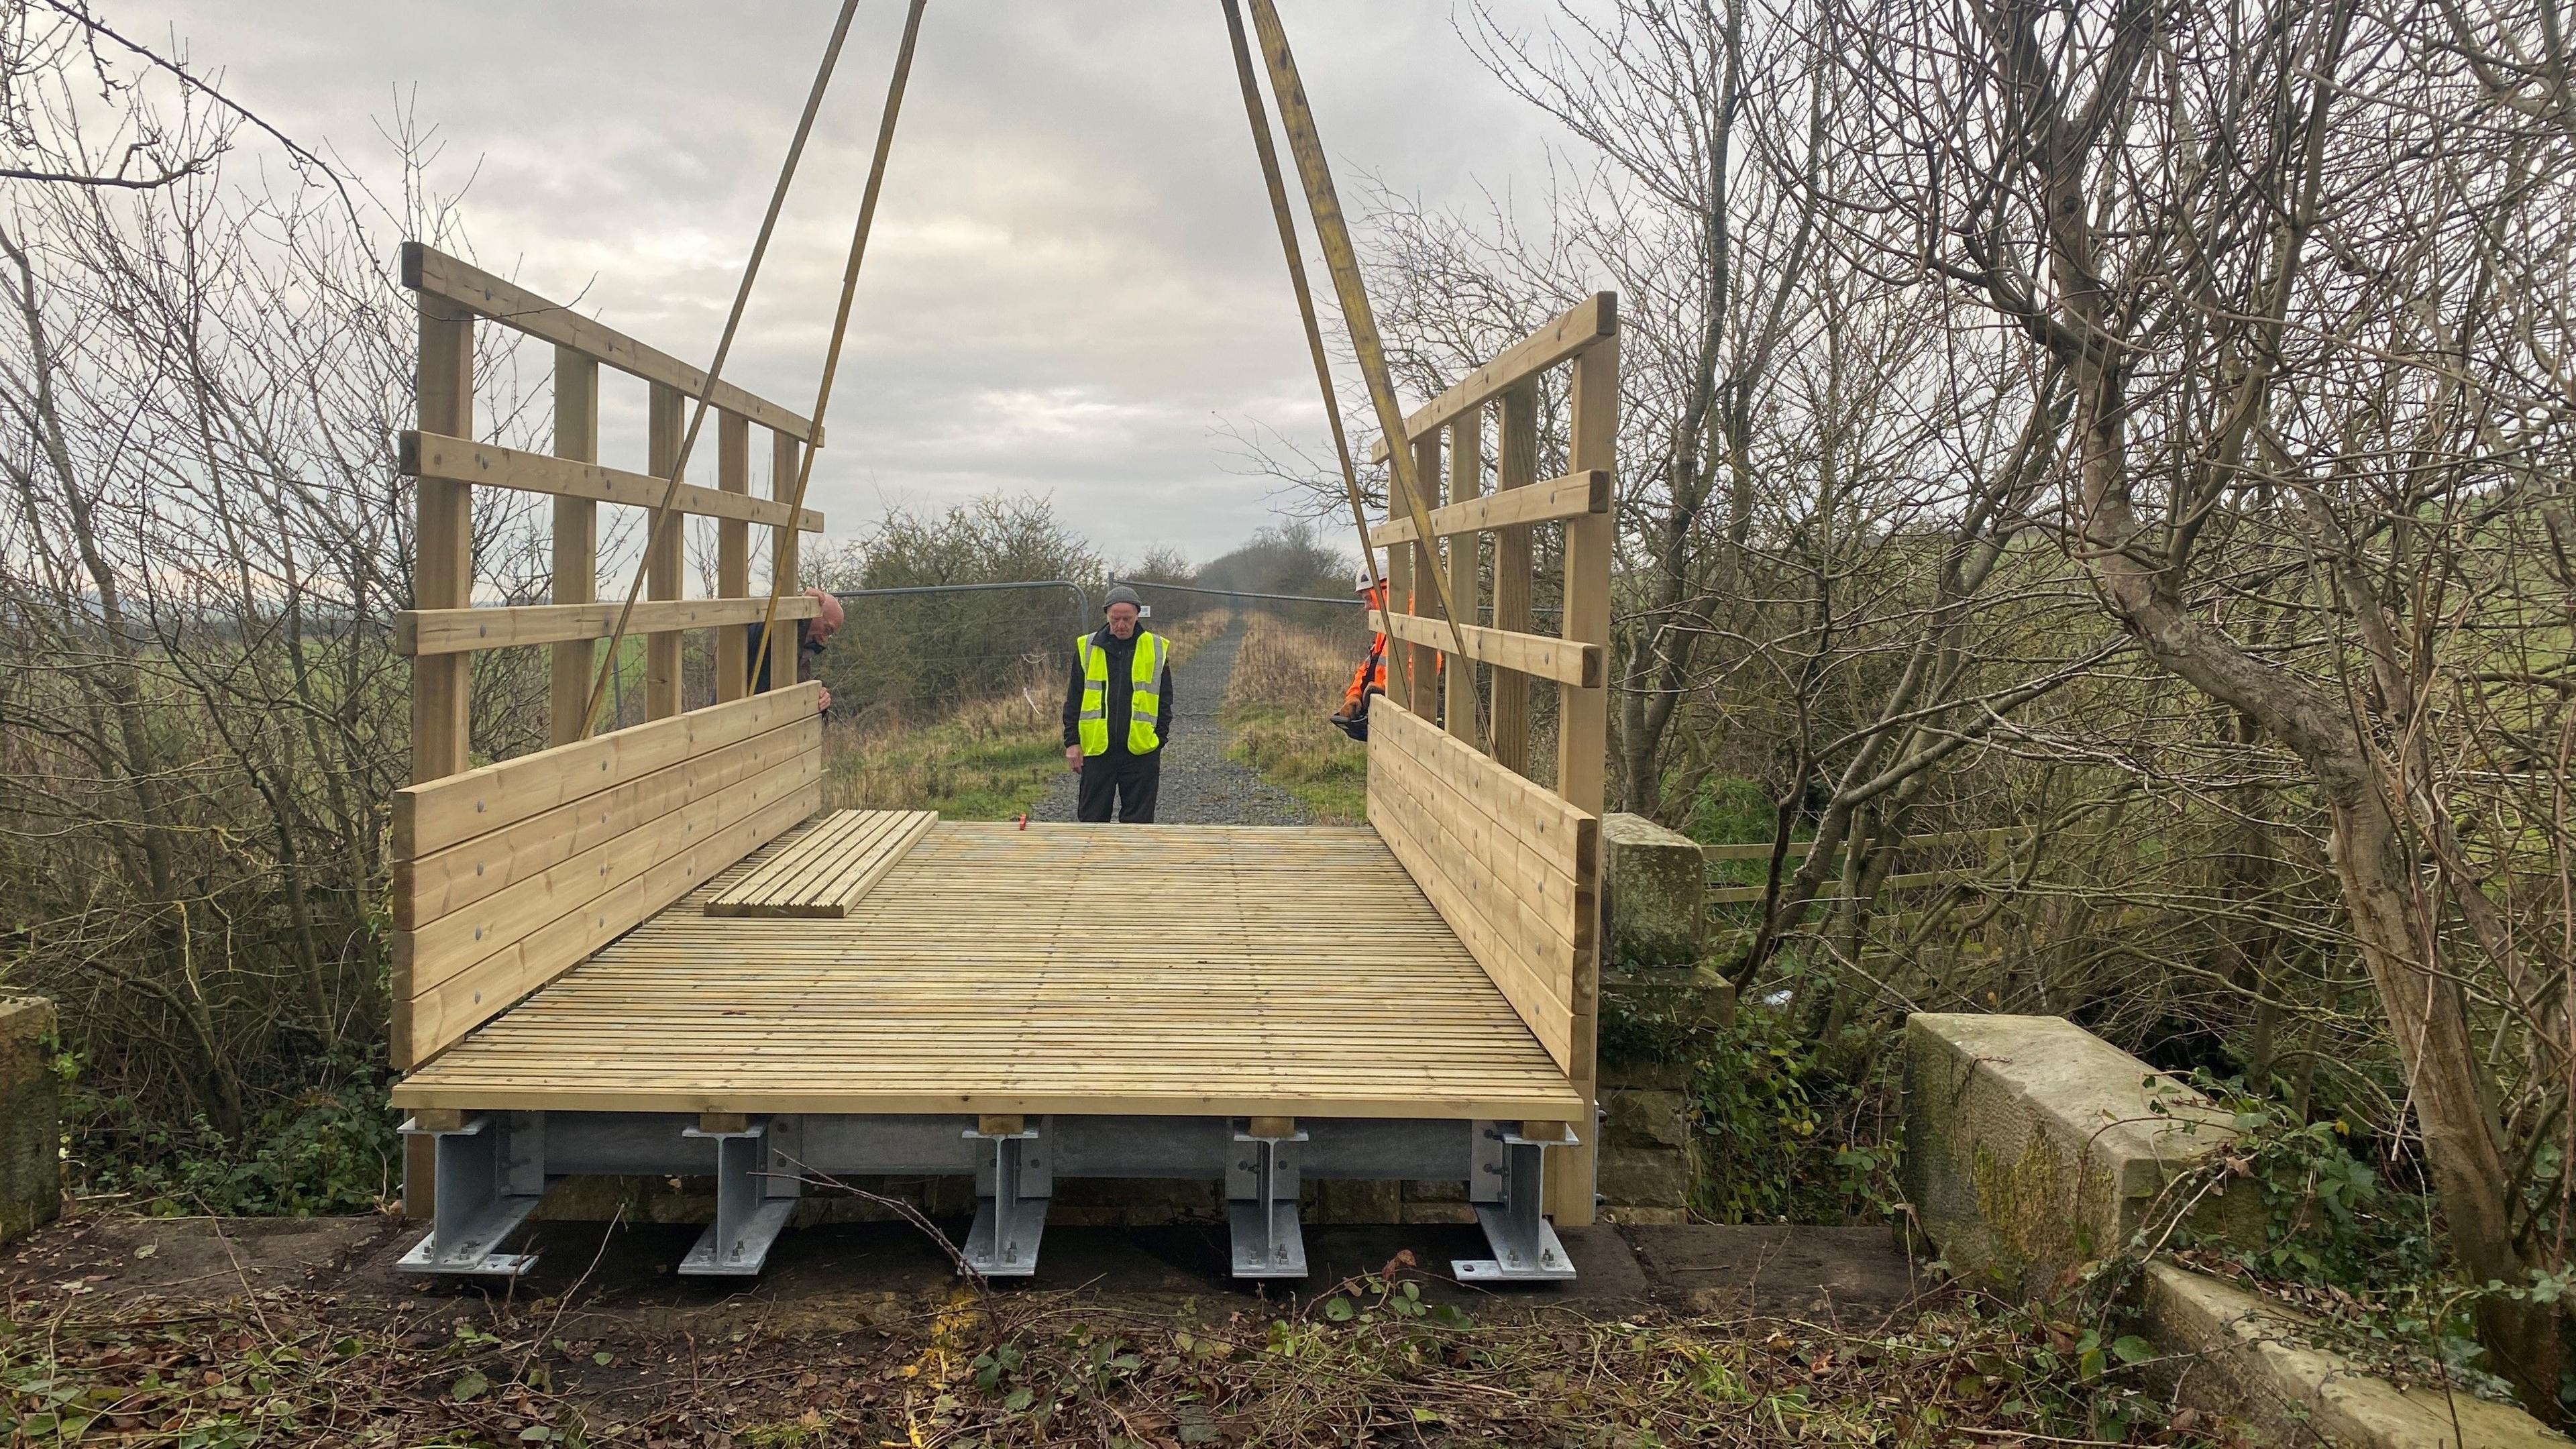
442, 578
786, 455
733, 555
1425, 700
664, 421
1583, 744
1399, 597
1515, 466
576, 545
1466, 480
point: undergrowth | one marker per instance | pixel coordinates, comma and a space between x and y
1370, 1360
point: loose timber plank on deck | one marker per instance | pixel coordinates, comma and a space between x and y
829, 867
1204, 970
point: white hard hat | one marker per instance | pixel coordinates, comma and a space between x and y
1365, 583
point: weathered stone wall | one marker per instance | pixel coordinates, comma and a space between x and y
2032, 1145
31, 1151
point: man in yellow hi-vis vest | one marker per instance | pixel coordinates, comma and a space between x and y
1117, 713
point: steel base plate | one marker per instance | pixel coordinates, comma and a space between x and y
707, 1260
490, 1265
1256, 1254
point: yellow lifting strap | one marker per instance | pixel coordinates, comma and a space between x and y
841, 319
1331, 229
715, 370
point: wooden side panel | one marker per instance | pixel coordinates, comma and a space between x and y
455, 878
437, 814
464, 940
431, 1020
1509, 866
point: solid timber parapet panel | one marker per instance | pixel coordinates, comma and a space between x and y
1190, 970
1513, 869
507, 876
829, 867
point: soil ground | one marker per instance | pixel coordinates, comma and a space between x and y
255, 1332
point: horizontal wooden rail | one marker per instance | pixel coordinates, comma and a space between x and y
459, 631
1798, 849
1571, 496
434, 273
1582, 325
1532, 654
488, 465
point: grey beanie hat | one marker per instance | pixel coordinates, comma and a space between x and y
1120, 594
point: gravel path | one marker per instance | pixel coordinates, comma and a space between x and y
1200, 785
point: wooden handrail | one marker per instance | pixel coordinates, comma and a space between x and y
461, 631
1553, 501
1537, 655
488, 465
427, 270
1580, 327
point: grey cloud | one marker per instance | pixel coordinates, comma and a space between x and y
1074, 276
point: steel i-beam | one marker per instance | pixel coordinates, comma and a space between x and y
491, 1174
1013, 1181
1261, 1189
1506, 1193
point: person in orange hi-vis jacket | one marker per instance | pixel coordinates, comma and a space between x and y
1370, 677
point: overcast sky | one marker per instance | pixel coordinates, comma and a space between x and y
1074, 284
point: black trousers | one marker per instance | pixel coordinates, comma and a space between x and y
1128, 781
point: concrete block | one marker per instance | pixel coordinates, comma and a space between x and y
31, 1127
1439, 1212
1435, 1192
2250, 1357
2033, 1145
1654, 878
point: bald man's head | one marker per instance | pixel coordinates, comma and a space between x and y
823, 625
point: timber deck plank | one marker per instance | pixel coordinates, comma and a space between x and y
833, 863
1235, 970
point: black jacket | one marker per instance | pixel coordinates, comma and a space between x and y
1122, 692
781, 641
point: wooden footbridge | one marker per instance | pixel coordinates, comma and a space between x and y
650, 951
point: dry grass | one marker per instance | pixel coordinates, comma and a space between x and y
1286, 679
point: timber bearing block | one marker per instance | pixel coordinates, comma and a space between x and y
1506, 1191
491, 1175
